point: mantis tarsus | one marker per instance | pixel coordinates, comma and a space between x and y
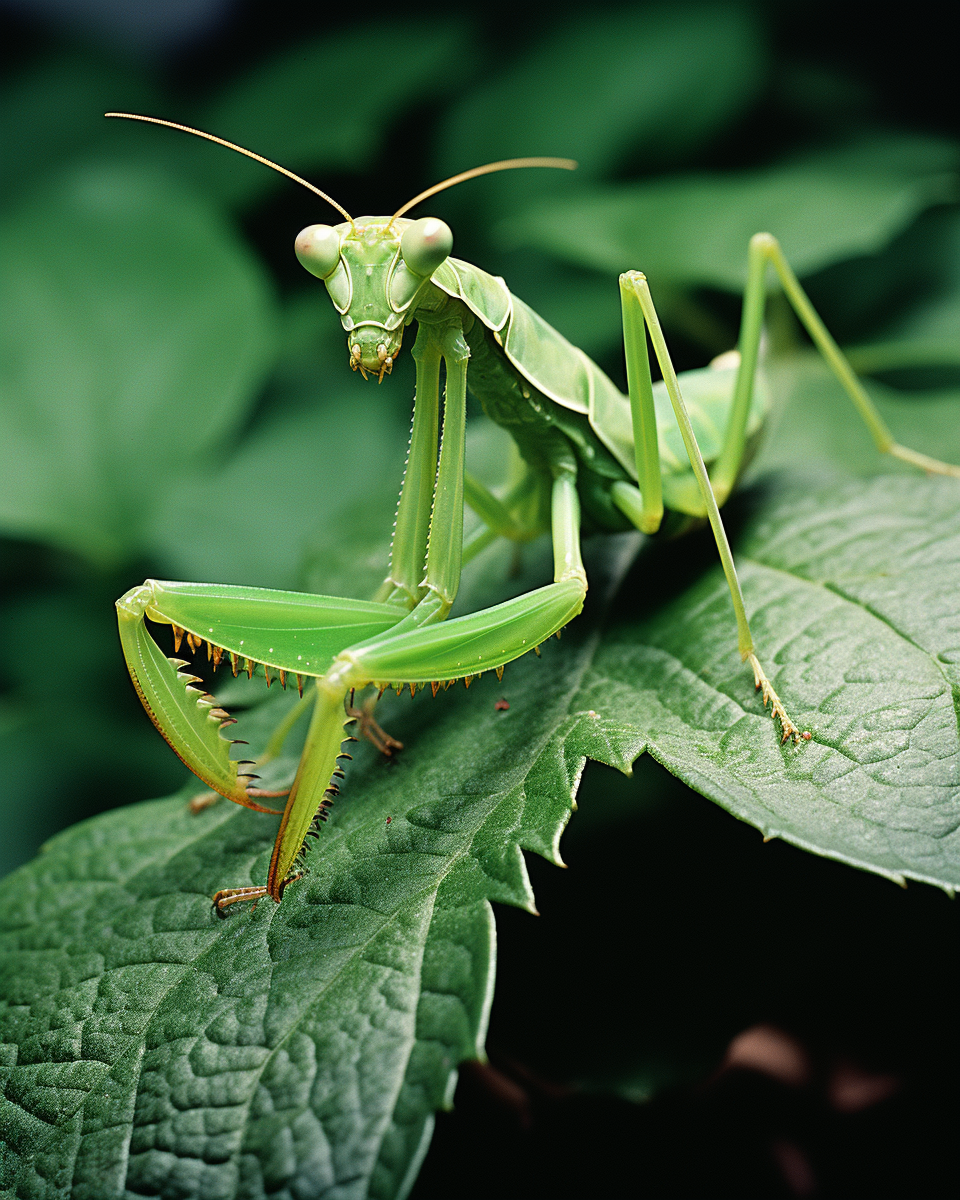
589, 452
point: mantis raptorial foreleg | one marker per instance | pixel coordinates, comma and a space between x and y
432, 652
429, 527
412, 529
290, 633
441, 580
429, 522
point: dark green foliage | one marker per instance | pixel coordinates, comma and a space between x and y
169, 408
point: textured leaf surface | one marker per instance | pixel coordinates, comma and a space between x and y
306, 1045
852, 593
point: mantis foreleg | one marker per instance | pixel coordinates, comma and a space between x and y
445, 546
290, 633
412, 529
412, 654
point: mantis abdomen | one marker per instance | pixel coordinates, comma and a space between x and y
536, 385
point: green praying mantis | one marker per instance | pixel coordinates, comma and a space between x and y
591, 456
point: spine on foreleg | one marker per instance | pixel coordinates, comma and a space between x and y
314, 787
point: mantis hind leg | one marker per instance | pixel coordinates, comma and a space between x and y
765, 250
640, 316
642, 505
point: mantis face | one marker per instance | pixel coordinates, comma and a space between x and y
375, 268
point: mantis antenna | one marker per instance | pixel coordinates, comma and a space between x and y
506, 164
240, 150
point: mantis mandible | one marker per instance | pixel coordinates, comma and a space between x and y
586, 449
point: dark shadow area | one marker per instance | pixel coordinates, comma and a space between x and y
787, 1016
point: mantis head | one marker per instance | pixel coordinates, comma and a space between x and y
375, 269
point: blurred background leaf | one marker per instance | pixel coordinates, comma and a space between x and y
642, 87
108, 386
51, 112
825, 207
305, 107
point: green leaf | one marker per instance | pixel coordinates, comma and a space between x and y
136, 333
300, 1045
853, 595
307, 1044
650, 84
694, 229
308, 109
51, 114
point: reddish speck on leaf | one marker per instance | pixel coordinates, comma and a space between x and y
389, 819
501, 706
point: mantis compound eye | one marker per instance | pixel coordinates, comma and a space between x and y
425, 244
318, 249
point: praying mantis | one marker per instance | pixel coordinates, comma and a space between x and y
590, 457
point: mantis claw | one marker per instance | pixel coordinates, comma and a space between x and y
371, 730
228, 896
205, 799
777, 711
